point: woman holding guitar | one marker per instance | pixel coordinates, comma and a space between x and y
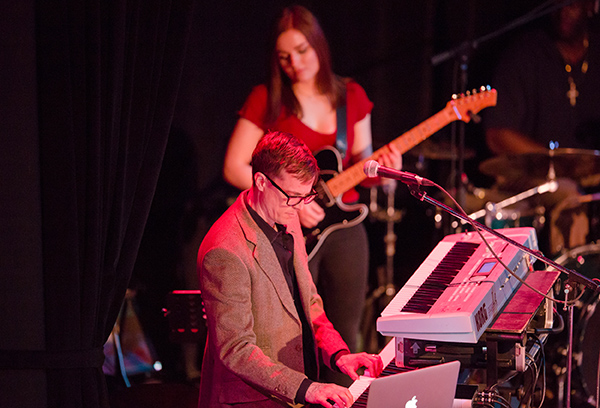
304, 97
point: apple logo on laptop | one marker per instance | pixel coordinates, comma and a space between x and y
412, 403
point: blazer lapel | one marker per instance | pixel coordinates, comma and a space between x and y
264, 254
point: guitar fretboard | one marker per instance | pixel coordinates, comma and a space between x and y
457, 109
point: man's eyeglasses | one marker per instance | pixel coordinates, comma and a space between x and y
293, 201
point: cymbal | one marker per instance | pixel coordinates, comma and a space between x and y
439, 151
576, 164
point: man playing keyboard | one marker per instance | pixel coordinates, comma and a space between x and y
266, 323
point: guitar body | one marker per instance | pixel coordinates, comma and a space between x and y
337, 214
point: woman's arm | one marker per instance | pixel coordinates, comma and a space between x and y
363, 139
236, 169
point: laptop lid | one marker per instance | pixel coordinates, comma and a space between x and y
429, 387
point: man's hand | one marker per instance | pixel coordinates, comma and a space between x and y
327, 394
350, 363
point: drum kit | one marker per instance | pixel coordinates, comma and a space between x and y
543, 190
549, 197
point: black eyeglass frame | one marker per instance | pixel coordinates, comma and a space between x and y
307, 198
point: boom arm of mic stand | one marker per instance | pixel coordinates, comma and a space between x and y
468, 46
573, 276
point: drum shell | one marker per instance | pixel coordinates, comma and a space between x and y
584, 260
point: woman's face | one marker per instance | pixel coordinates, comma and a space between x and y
297, 57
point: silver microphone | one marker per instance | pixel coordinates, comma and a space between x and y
374, 169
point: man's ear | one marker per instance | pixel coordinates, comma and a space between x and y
259, 181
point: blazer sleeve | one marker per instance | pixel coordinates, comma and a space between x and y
329, 341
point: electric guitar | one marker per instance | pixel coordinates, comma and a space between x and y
334, 181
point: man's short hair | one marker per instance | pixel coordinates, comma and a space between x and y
277, 151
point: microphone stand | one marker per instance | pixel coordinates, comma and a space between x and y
573, 276
466, 47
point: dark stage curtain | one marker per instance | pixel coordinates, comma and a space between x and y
89, 90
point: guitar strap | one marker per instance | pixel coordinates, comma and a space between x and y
341, 139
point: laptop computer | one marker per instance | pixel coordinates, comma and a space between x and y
429, 387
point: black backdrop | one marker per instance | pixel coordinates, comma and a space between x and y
91, 92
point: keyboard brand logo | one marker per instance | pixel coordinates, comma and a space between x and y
411, 403
481, 317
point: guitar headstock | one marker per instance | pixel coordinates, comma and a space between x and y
472, 102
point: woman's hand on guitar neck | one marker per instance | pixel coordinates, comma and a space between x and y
391, 159
310, 214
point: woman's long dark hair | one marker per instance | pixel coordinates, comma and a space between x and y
280, 95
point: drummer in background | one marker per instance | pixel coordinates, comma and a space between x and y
548, 84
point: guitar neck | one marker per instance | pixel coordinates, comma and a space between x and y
352, 176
